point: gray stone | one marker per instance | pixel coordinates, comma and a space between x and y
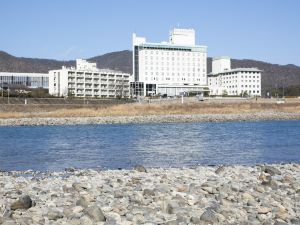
95, 213
271, 170
265, 179
79, 186
235, 187
195, 220
7, 213
23, 202
295, 221
118, 194
113, 219
148, 192
220, 169
54, 214
82, 202
67, 189
209, 216
85, 220
9, 222
140, 168
70, 169
278, 222
25, 221
268, 222
172, 222
171, 207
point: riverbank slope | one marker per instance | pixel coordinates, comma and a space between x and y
261, 116
153, 112
266, 194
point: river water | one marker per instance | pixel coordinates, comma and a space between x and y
53, 148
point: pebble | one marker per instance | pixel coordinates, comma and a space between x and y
262, 194
95, 213
54, 214
24, 202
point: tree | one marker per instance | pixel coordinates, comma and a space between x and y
225, 93
71, 94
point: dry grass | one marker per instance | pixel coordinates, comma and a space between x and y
135, 109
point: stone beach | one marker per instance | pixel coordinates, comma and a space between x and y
261, 194
36, 121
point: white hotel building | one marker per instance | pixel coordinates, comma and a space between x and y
171, 68
235, 82
86, 80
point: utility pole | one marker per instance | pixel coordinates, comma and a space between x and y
7, 95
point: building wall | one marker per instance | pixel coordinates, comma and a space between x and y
82, 64
177, 62
236, 82
182, 36
30, 80
221, 64
172, 67
98, 83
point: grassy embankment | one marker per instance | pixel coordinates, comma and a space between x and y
161, 108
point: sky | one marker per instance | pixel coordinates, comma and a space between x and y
266, 30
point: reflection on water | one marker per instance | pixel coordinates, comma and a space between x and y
153, 145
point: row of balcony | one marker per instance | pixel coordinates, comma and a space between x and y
98, 86
98, 76
96, 81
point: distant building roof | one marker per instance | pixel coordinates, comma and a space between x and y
14, 74
97, 70
221, 57
236, 70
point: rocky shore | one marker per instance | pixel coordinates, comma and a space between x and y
263, 194
150, 119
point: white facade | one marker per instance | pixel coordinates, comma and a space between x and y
182, 36
221, 64
236, 82
178, 63
86, 80
29, 80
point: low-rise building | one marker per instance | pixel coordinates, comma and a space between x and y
24, 80
234, 82
86, 80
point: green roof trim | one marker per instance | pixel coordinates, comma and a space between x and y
173, 47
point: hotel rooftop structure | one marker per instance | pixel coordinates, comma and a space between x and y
234, 82
171, 68
86, 80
